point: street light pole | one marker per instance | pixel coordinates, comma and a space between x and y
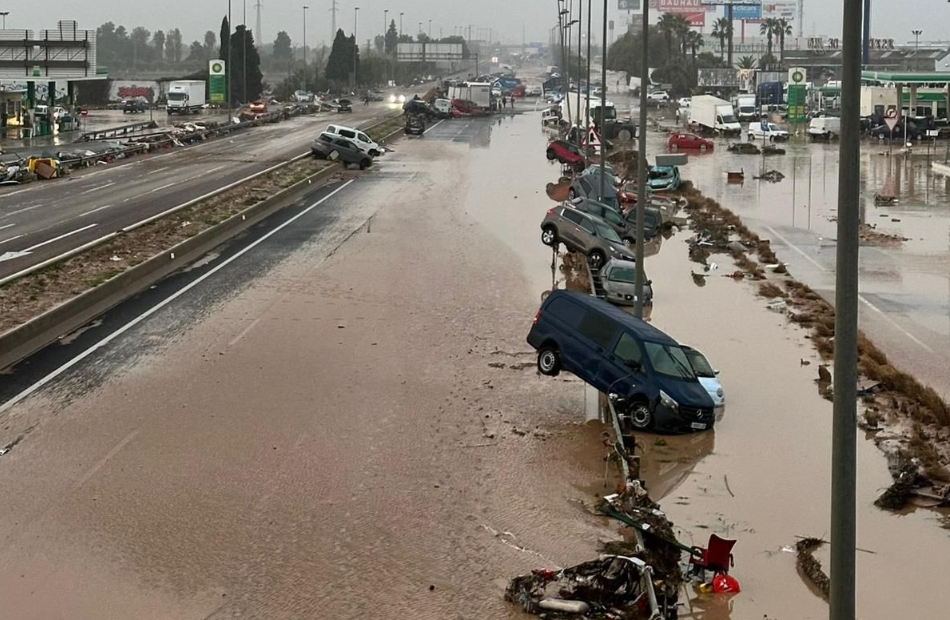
4, 15
590, 20
844, 431
917, 34
227, 77
356, 44
580, 32
641, 154
385, 21
244, 51
305, 47
400, 24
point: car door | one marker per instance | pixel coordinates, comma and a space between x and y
597, 333
621, 364
570, 227
586, 235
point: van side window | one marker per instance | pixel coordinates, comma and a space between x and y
628, 351
598, 328
346, 133
363, 137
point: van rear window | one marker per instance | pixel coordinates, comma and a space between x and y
598, 328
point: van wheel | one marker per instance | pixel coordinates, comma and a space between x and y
629, 241
597, 259
640, 416
549, 236
364, 164
549, 362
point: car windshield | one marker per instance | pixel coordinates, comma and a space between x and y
608, 233
700, 364
669, 360
626, 275
661, 173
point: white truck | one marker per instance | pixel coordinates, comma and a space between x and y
745, 108
714, 115
186, 97
480, 94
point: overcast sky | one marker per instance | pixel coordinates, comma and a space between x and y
891, 19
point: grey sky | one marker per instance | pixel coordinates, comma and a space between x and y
891, 19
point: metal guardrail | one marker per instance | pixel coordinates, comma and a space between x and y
115, 132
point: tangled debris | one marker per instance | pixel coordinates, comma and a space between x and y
870, 235
898, 494
882, 200
809, 567
772, 176
916, 418
773, 150
744, 148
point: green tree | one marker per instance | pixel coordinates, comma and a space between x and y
768, 28
173, 46
681, 29
768, 62
392, 38
667, 26
783, 28
747, 62
283, 47
244, 39
140, 49
210, 41
225, 40
158, 41
694, 41
197, 52
722, 30
340, 62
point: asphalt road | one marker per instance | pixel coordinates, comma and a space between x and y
45, 220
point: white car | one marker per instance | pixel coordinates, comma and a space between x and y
362, 141
394, 98
658, 96
708, 377
684, 102
767, 131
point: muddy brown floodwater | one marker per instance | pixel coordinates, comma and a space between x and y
359, 432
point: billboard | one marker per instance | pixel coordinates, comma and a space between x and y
693, 10
66, 53
780, 10
428, 52
718, 78
628, 5
747, 12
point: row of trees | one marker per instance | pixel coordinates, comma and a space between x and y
118, 48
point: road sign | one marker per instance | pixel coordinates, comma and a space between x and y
797, 103
891, 113
891, 122
933, 133
217, 80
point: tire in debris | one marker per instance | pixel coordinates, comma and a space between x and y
625, 135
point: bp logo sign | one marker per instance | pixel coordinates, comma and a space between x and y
217, 67
796, 75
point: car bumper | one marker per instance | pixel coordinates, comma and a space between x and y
684, 419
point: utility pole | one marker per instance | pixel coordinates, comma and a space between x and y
590, 20
305, 47
580, 32
356, 44
244, 51
844, 431
385, 21
259, 30
916, 34
562, 18
642, 148
430, 28
866, 42
400, 24
333, 11
646, 27
229, 67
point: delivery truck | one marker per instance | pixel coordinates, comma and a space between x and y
746, 111
186, 97
711, 114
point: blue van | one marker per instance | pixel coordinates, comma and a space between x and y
620, 354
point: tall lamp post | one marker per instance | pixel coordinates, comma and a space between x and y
4, 14
917, 34
244, 51
385, 21
227, 77
590, 20
641, 154
356, 43
305, 47
400, 24
430, 28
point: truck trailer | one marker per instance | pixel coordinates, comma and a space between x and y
713, 115
186, 97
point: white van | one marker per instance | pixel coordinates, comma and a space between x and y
443, 106
824, 127
551, 116
362, 141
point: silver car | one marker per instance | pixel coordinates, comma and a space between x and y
338, 148
585, 234
618, 278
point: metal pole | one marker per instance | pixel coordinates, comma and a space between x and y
731, 21
866, 43
580, 31
385, 22
244, 50
844, 433
356, 43
305, 48
230, 68
603, 106
590, 20
641, 158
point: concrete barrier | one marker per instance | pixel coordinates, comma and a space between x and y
26, 339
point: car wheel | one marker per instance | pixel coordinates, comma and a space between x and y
703, 147
549, 361
549, 236
374, 153
674, 147
597, 259
640, 416
629, 241
625, 135
579, 167
364, 164
551, 155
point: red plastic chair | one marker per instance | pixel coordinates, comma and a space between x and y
717, 557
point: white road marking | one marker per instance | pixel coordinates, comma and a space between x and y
796, 248
244, 332
171, 298
19, 191
158, 169
94, 211
5, 226
10, 239
115, 450
158, 189
215, 169
55, 239
18, 211
434, 126
96, 189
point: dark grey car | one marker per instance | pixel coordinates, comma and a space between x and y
583, 233
625, 224
588, 186
336, 148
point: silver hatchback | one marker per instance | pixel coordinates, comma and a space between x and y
585, 234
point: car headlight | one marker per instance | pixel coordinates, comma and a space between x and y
719, 393
392, 99
668, 402
402, 99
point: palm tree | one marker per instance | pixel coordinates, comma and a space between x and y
695, 41
783, 28
681, 28
666, 25
722, 30
769, 28
747, 62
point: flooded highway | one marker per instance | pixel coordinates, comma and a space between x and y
341, 417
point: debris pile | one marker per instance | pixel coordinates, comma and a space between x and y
810, 567
772, 176
882, 200
744, 148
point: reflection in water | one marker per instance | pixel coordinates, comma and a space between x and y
707, 606
668, 460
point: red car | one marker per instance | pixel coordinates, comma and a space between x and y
686, 141
566, 153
